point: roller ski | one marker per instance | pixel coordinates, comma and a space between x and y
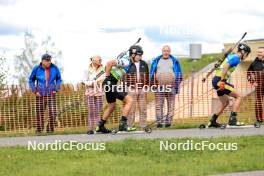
212, 123
233, 123
258, 123
100, 129
145, 130
125, 129
239, 125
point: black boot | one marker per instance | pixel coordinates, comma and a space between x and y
260, 121
159, 125
101, 128
168, 121
213, 122
232, 119
167, 125
123, 125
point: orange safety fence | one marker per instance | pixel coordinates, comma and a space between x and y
76, 107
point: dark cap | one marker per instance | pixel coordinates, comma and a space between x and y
46, 57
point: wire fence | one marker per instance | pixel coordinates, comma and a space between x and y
76, 107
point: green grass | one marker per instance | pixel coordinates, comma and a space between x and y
136, 157
188, 66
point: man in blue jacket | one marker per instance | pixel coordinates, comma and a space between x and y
44, 81
165, 72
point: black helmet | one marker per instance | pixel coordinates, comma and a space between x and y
46, 57
135, 49
243, 47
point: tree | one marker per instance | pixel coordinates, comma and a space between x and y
3, 73
31, 55
49, 47
27, 59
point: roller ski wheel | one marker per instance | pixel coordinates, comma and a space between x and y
257, 124
147, 129
202, 126
114, 131
90, 132
223, 126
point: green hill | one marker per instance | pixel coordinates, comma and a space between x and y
188, 65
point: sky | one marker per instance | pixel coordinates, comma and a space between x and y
83, 28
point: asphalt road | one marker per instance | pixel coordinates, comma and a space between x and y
175, 133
